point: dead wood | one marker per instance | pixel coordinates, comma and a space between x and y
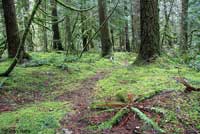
188, 87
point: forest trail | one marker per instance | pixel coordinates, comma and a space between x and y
72, 123
78, 121
65, 99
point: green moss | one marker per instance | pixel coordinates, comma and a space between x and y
58, 74
37, 118
188, 108
144, 80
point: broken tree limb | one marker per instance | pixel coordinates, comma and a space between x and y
188, 87
37, 23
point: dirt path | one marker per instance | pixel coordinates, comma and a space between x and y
73, 123
77, 121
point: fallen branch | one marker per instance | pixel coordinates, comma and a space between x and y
188, 87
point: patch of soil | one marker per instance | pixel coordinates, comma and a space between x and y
6, 107
160, 98
167, 100
80, 98
132, 126
77, 122
10, 100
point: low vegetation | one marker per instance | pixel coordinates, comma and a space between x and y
30, 93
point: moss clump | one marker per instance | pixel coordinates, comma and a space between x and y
34, 119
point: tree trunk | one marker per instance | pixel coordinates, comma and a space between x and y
112, 39
12, 31
84, 28
184, 27
105, 38
68, 39
25, 11
167, 20
57, 45
126, 28
68, 32
45, 38
122, 41
133, 40
150, 36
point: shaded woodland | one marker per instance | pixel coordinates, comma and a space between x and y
99, 66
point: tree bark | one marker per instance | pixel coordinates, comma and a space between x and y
126, 28
25, 12
167, 19
45, 38
112, 39
57, 45
84, 28
150, 35
105, 37
12, 30
68, 39
136, 26
133, 39
68, 32
184, 27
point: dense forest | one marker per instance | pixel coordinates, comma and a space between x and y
99, 67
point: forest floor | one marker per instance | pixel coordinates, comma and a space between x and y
53, 93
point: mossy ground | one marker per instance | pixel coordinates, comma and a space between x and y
37, 84
143, 81
52, 74
38, 118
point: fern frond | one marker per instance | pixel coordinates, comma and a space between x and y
147, 120
118, 116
